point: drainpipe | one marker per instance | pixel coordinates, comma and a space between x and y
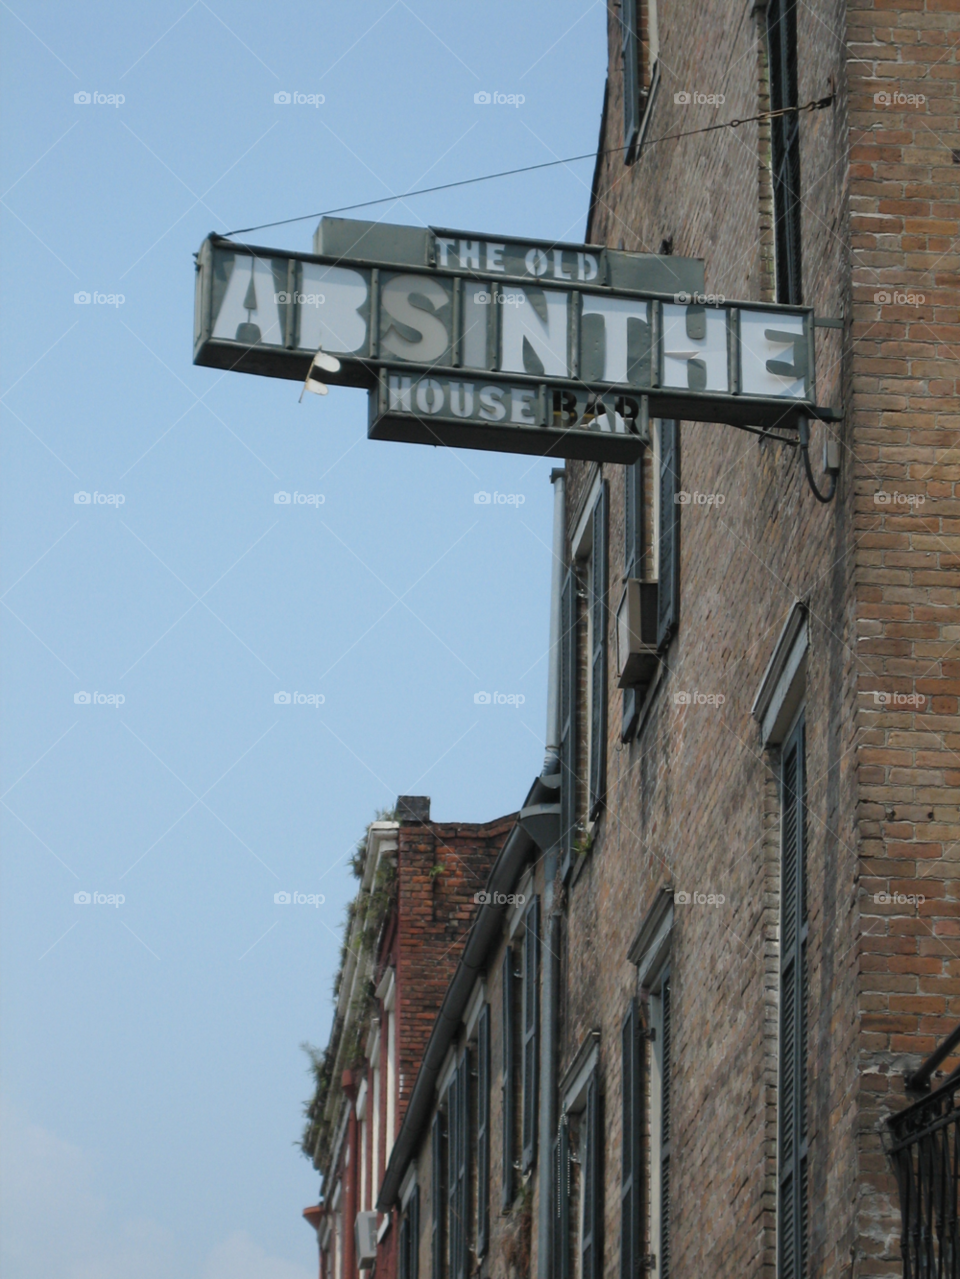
551, 951
551, 762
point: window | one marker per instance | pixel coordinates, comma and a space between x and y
568, 717
647, 1056
659, 1126
458, 1170
590, 555
598, 627
640, 50
531, 1032
364, 1152
336, 1238
508, 1078
785, 137
483, 1131
668, 540
409, 1247
632, 567
631, 1131
391, 1080
792, 1143
578, 1153
439, 1196
375, 1116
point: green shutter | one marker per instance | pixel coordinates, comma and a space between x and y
507, 1095
630, 1135
458, 1157
599, 626
561, 1216
785, 139
414, 1213
591, 1146
461, 1259
404, 1248
483, 1130
668, 594
630, 49
665, 1125
792, 1223
453, 1169
568, 715
439, 1196
531, 1029
632, 567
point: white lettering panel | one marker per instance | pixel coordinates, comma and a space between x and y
695, 348
249, 311
534, 333
335, 322
616, 312
773, 354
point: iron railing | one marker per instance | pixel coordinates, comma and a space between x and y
925, 1149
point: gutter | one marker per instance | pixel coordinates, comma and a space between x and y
484, 933
550, 838
598, 163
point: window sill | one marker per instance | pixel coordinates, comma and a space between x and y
578, 861
658, 679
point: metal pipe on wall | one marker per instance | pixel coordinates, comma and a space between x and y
551, 941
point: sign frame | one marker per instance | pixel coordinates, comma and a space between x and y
370, 367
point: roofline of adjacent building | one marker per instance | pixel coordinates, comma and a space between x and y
598, 163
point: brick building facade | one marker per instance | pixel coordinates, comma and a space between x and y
722, 930
406, 926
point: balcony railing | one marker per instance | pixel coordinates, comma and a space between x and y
925, 1149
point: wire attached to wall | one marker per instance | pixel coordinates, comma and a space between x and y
832, 465
817, 104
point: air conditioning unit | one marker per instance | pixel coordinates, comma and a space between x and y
637, 634
365, 1230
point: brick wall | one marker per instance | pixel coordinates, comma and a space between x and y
693, 801
903, 225
441, 869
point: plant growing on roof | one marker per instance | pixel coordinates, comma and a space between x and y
362, 924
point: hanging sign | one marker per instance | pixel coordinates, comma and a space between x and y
514, 346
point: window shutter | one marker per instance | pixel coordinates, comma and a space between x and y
561, 1216
507, 1096
630, 48
631, 1174
531, 1027
413, 1216
785, 138
437, 1182
668, 595
461, 1267
453, 1170
632, 567
665, 1124
599, 626
568, 714
792, 1225
483, 1130
592, 1147
404, 1248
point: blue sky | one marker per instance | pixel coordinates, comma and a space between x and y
153, 1078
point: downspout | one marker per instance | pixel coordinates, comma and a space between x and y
551, 951
551, 762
